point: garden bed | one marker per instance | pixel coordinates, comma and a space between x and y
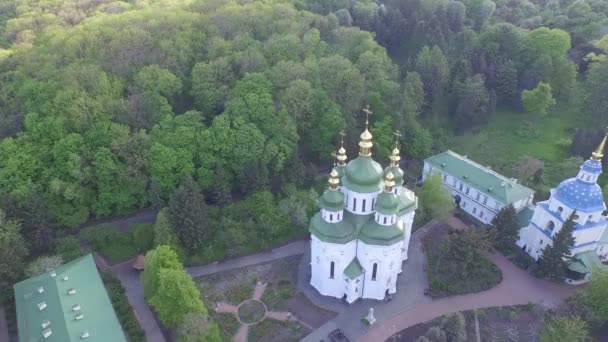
123, 309
270, 330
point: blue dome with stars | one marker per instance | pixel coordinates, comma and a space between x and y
580, 195
592, 166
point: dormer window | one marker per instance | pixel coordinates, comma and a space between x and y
40, 289
46, 323
41, 306
53, 273
76, 307
79, 317
65, 278
84, 334
46, 333
71, 292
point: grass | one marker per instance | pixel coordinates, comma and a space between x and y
110, 242
227, 323
278, 294
270, 330
251, 312
123, 309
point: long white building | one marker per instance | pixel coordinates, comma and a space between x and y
580, 193
476, 189
360, 237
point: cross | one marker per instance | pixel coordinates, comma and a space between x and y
367, 114
333, 154
342, 135
397, 135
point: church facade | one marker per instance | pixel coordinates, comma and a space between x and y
583, 195
360, 237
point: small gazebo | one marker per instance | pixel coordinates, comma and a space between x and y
138, 264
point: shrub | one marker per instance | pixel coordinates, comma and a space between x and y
123, 309
69, 248
143, 236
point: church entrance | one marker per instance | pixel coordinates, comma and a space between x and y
457, 200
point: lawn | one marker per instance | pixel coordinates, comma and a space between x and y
117, 245
510, 135
270, 330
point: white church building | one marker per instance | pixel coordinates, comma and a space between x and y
360, 237
478, 190
580, 193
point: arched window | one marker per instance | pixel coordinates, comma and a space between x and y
363, 206
374, 271
560, 209
331, 217
373, 203
384, 219
550, 226
331, 270
354, 204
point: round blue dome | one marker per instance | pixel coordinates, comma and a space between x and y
592, 166
580, 195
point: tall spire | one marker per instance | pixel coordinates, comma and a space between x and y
599, 152
395, 158
366, 137
389, 182
333, 180
341, 151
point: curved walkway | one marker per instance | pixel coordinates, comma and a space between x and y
517, 287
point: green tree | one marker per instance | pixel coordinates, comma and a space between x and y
68, 248
506, 82
552, 263
196, 327
153, 78
507, 228
455, 327
176, 296
597, 89
169, 166
162, 257
189, 216
564, 329
13, 250
434, 334
472, 102
433, 68
467, 250
413, 98
164, 231
538, 100
595, 295
434, 200
42, 264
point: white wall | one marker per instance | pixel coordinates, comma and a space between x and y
322, 254
388, 260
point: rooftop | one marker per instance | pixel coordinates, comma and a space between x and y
66, 304
482, 178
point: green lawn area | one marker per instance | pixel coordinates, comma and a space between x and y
117, 245
510, 135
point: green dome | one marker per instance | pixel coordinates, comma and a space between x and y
340, 169
332, 200
397, 173
363, 174
387, 204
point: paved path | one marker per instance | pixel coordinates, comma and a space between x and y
517, 287
4, 336
135, 293
294, 248
258, 292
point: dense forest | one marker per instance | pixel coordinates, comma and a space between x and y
107, 106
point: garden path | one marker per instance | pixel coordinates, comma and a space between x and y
517, 287
259, 290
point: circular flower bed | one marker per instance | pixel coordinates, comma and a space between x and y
251, 311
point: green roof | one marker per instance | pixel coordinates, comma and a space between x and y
407, 203
363, 175
98, 316
354, 226
482, 178
524, 216
332, 200
584, 262
353, 270
388, 203
397, 172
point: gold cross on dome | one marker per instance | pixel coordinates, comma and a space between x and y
342, 135
333, 154
367, 112
397, 135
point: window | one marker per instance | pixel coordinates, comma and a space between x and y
485, 199
474, 210
373, 203
354, 204
454, 182
560, 209
374, 271
331, 270
460, 187
497, 206
478, 197
445, 178
467, 191
363, 206
550, 226
384, 219
480, 214
541, 242
464, 204
331, 217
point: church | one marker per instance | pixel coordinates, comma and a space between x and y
583, 195
360, 237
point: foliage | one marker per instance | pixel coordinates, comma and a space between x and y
197, 328
162, 257
455, 328
13, 250
143, 236
467, 248
123, 309
472, 102
435, 201
553, 262
188, 213
538, 100
164, 233
594, 295
176, 296
68, 248
42, 264
564, 329
109, 241
527, 167
506, 227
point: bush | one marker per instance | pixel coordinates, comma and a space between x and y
143, 236
69, 248
123, 309
107, 240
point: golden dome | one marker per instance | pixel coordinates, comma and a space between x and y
334, 181
366, 135
389, 182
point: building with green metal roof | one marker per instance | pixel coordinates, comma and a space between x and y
360, 236
477, 189
66, 304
